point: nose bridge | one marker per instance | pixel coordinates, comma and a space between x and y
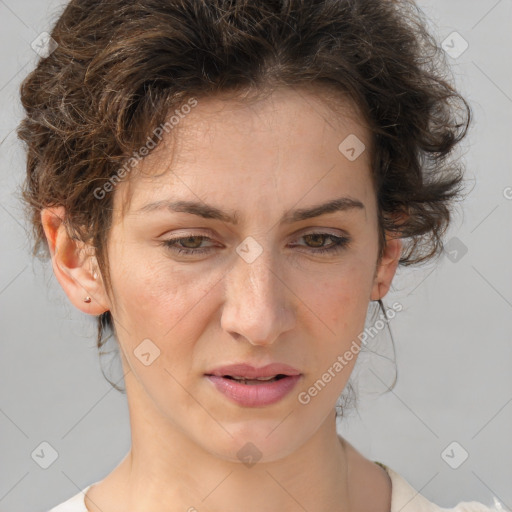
256, 303
257, 279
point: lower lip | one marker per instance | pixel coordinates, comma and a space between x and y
255, 395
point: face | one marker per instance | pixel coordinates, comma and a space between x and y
192, 293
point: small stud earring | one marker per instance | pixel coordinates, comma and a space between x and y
87, 299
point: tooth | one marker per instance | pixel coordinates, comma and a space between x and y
256, 378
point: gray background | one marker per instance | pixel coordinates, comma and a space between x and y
453, 341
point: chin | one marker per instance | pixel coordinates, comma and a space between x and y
256, 441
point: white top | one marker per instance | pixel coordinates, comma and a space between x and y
404, 498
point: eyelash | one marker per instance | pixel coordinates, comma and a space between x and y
338, 245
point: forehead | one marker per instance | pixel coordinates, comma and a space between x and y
227, 141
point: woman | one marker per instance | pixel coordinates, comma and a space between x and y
227, 186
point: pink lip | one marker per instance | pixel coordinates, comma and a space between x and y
254, 395
248, 371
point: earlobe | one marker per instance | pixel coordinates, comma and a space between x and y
72, 264
386, 268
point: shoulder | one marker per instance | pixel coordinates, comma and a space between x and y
405, 498
74, 504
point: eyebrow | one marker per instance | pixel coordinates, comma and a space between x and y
211, 212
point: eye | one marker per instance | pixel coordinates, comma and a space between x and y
172, 244
317, 239
191, 245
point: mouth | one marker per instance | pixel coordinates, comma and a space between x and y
254, 392
252, 382
240, 371
249, 386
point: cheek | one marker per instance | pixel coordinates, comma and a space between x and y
158, 299
339, 307
156, 302
340, 299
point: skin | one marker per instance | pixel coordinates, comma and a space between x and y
289, 305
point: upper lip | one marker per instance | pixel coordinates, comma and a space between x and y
250, 372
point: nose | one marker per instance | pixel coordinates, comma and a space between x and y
259, 303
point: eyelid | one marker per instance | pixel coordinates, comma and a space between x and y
324, 230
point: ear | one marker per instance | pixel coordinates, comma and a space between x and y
386, 268
74, 265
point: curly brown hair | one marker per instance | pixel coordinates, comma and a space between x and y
122, 67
